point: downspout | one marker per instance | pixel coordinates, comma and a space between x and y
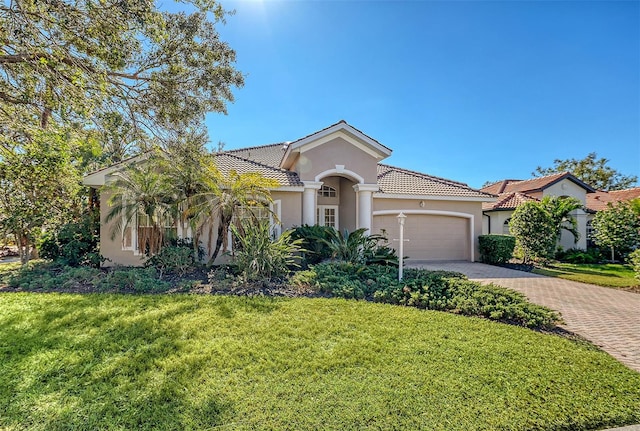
489, 223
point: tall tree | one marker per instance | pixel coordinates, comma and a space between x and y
592, 170
38, 186
70, 60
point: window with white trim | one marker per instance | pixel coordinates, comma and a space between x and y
505, 227
327, 192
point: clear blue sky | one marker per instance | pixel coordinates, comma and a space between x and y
467, 90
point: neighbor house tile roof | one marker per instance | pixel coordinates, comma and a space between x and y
598, 201
534, 184
393, 180
507, 201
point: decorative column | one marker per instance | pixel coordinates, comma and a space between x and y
309, 201
365, 203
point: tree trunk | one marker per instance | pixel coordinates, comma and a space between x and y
219, 239
613, 255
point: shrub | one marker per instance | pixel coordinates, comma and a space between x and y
73, 244
179, 259
139, 280
259, 256
496, 249
315, 248
433, 290
533, 227
576, 255
634, 260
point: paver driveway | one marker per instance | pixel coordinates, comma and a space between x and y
609, 318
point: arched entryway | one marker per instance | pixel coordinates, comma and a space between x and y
336, 203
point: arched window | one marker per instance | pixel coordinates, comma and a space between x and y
327, 192
505, 227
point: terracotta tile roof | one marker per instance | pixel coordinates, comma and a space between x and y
393, 180
534, 184
507, 201
269, 155
227, 161
598, 201
335, 124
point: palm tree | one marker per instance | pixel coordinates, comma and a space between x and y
225, 196
142, 193
560, 209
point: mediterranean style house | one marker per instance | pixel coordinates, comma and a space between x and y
512, 193
336, 177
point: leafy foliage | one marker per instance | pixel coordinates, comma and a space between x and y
74, 243
260, 257
496, 249
178, 258
535, 231
74, 60
38, 186
560, 209
617, 228
634, 260
434, 290
359, 247
314, 242
592, 171
576, 255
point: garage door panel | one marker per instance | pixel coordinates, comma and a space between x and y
431, 237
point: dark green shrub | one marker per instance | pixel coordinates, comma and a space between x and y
315, 249
496, 249
498, 303
51, 276
139, 280
575, 255
433, 290
173, 259
73, 244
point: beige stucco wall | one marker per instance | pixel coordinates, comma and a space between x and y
336, 152
290, 208
497, 222
449, 224
571, 189
112, 248
348, 199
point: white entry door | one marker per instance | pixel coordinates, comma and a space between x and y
327, 215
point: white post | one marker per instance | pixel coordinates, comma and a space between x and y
309, 202
365, 193
401, 219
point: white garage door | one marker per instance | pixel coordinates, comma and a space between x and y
431, 237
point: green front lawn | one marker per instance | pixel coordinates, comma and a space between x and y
105, 361
608, 275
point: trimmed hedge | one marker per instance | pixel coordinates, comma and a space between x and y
496, 249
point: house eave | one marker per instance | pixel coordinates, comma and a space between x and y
380, 195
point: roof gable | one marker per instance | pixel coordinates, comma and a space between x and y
340, 129
535, 184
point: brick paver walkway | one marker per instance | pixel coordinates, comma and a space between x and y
609, 318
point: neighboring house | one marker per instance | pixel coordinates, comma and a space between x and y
512, 193
599, 201
335, 177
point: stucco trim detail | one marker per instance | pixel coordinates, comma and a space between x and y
380, 195
469, 217
342, 172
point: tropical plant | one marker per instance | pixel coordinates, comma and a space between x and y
74, 243
617, 228
316, 250
560, 209
535, 231
140, 193
225, 197
359, 247
261, 257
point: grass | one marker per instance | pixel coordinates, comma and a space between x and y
608, 275
169, 362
